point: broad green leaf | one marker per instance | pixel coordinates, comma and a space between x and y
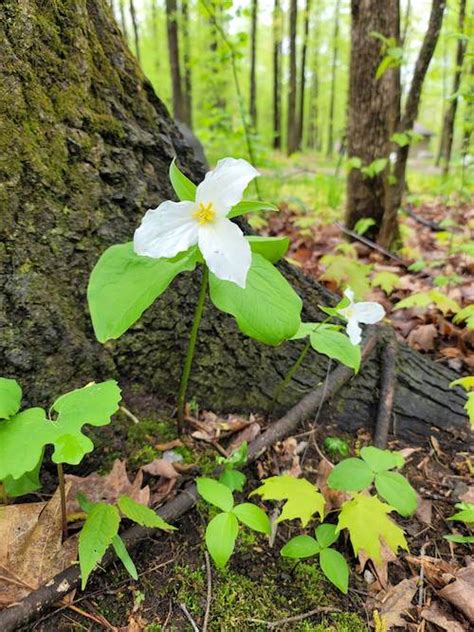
93, 404
363, 224
381, 460
233, 479
469, 407
251, 206
350, 475
388, 281
397, 491
142, 515
123, 285
334, 566
253, 517
182, 185
306, 329
466, 382
215, 493
26, 484
271, 248
100, 528
347, 272
427, 298
326, 535
268, 309
460, 539
302, 498
400, 138
239, 457
365, 517
10, 397
124, 556
221, 534
337, 346
466, 513
300, 546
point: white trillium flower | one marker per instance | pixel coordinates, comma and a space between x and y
174, 227
366, 312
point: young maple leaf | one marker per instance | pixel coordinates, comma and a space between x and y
302, 498
365, 517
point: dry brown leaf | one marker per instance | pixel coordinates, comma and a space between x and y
437, 571
381, 569
248, 434
160, 467
460, 592
397, 601
211, 427
107, 488
423, 337
435, 614
169, 445
468, 497
31, 547
424, 511
334, 499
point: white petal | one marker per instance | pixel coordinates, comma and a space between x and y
225, 250
348, 293
166, 230
225, 185
354, 331
368, 312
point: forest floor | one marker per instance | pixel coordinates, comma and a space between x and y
260, 590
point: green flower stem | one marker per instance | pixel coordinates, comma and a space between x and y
291, 372
191, 347
62, 491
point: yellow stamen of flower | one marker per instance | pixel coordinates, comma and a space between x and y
205, 213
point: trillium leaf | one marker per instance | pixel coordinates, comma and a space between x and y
272, 248
221, 534
381, 460
142, 515
326, 535
252, 516
350, 475
96, 536
268, 309
233, 479
365, 517
182, 185
10, 397
300, 546
251, 206
215, 493
334, 566
93, 404
397, 491
123, 285
302, 498
337, 346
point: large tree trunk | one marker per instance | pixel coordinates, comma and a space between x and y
372, 106
447, 134
84, 155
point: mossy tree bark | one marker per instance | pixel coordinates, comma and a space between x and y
85, 147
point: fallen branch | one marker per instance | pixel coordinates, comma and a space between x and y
297, 617
54, 590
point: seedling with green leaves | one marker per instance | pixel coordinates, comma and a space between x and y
332, 563
465, 515
376, 466
177, 237
335, 446
223, 529
467, 384
101, 530
231, 476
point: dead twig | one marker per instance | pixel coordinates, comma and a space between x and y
388, 382
129, 414
296, 617
189, 617
371, 244
209, 592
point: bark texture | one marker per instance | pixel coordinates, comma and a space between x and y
85, 147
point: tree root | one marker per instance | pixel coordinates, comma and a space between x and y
66, 581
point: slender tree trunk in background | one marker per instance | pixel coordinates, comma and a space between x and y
136, 36
188, 87
450, 114
292, 121
123, 20
313, 117
277, 78
154, 19
444, 97
406, 23
173, 51
468, 125
332, 95
73, 188
372, 107
396, 188
304, 50
253, 62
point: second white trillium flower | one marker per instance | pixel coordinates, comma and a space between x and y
174, 227
365, 312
